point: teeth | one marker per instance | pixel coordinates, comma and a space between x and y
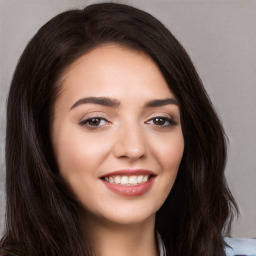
145, 178
127, 180
117, 179
124, 180
140, 179
133, 180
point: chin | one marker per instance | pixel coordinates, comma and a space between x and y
130, 219
124, 214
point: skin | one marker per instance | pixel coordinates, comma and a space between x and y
125, 136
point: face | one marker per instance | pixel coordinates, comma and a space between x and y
117, 135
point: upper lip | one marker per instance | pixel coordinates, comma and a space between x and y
129, 172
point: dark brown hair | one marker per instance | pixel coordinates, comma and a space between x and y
42, 214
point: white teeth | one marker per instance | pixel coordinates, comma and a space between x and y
117, 179
145, 178
140, 179
133, 180
127, 180
124, 180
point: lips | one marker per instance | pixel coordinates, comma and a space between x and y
129, 182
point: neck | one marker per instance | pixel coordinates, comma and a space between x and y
109, 239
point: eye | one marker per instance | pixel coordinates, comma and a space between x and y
162, 121
94, 122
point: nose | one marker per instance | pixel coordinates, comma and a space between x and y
130, 143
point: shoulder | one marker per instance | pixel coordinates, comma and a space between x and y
240, 246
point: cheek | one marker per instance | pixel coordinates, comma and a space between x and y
169, 155
76, 162
169, 151
77, 154
173, 155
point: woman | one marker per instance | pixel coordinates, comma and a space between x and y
113, 146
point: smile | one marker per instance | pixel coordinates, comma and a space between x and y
127, 180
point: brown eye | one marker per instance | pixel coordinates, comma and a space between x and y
162, 121
159, 121
93, 122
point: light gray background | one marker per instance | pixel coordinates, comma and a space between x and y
219, 35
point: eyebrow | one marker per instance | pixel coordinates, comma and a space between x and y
161, 102
109, 102
104, 101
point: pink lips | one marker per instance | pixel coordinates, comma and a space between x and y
135, 190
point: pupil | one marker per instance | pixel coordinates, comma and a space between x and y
159, 121
95, 121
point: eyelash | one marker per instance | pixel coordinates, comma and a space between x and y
170, 122
92, 127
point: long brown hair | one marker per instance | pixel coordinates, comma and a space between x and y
42, 214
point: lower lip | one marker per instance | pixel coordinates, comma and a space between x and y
135, 190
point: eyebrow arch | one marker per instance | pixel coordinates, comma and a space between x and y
104, 101
161, 102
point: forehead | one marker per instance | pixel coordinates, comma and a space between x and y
115, 71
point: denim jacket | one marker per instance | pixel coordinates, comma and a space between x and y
241, 247
237, 246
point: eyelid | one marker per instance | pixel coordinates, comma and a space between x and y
169, 118
163, 115
90, 118
84, 122
93, 114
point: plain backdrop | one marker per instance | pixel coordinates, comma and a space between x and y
220, 37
